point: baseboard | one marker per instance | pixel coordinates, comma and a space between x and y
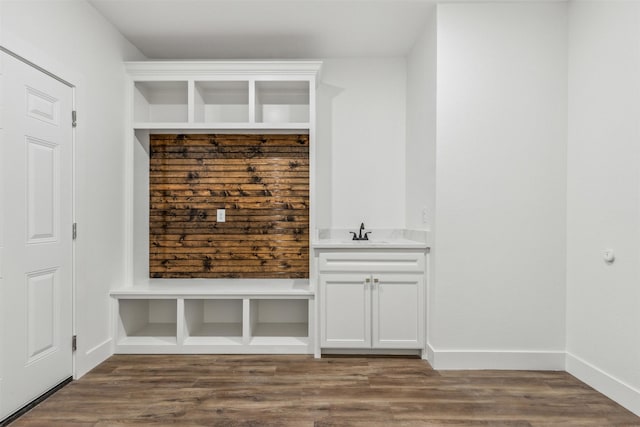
93, 357
606, 384
500, 360
429, 354
370, 352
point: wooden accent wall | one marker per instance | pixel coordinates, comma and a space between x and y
263, 183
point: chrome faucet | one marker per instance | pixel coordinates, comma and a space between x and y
359, 236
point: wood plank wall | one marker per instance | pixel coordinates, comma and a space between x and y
263, 183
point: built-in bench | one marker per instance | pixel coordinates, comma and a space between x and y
188, 316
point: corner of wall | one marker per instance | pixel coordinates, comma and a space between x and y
92, 358
614, 388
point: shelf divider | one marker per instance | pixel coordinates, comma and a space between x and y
246, 321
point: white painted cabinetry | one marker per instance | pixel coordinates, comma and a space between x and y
227, 95
197, 319
372, 300
211, 315
345, 310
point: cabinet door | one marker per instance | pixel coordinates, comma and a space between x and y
398, 311
345, 307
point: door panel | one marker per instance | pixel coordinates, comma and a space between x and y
397, 311
36, 171
43, 192
41, 312
345, 307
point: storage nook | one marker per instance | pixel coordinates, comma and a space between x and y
217, 317
147, 321
279, 320
199, 282
213, 321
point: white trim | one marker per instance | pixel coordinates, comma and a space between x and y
217, 68
500, 360
94, 357
607, 384
429, 354
40, 59
371, 352
219, 127
129, 141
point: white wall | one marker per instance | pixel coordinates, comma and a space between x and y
2, 244
361, 121
421, 129
499, 296
603, 209
72, 36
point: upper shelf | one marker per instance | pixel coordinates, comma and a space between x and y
160, 102
230, 95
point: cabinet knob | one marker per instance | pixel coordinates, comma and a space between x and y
367, 280
376, 280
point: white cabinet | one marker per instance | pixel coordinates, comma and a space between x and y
397, 311
223, 94
345, 311
369, 300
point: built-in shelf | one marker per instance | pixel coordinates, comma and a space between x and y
221, 102
165, 321
147, 322
213, 321
282, 101
207, 288
211, 316
160, 102
285, 342
279, 318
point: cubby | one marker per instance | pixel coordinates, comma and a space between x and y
204, 318
161, 102
221, 102
282, 101
279, 321
213, 321
147, 321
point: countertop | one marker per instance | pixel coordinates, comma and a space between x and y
368, 244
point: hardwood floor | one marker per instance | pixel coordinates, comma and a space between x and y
205, 390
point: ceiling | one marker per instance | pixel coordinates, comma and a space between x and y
268, 29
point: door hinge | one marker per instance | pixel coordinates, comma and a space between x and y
74, 117
74, 343
74, 231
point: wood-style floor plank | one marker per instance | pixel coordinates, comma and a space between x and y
228, 390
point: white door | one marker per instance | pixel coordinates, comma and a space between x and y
37, 224
345, 309
398, 313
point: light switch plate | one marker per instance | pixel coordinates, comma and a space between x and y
221, 217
